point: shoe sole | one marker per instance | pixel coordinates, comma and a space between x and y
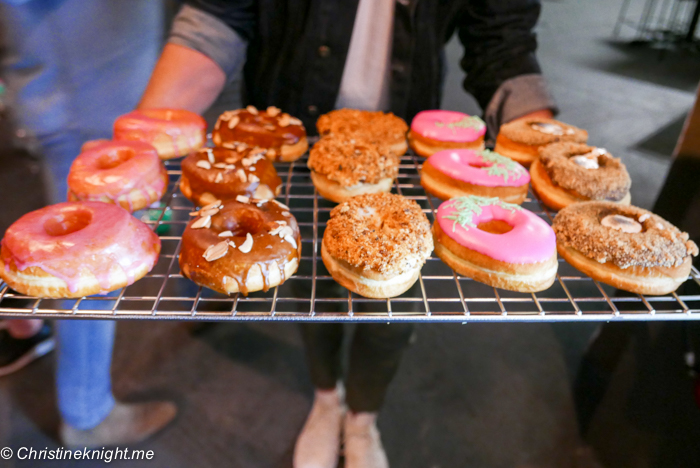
40, 350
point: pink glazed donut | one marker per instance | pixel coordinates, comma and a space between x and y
173, 132
496, 243
75, 249
127, 173
456, 173
437, 130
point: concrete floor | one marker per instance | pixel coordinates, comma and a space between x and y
477, 395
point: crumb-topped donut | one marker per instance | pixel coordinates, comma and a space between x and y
438, 130
496, 243
567, 173
455, 173
211, 174
172, 132
76, 249
344, 166
376, 244
128, 173
382, 129
281, 136
521, 139
626, 247
241, 245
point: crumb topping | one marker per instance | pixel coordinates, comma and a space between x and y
378, 127
659, 244
522, 131
382, 232
610, 181
350, 160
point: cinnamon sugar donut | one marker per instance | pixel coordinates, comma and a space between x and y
172, 132
241, 245
381, 129
76, 249
439, 130
127, 173
281, 136
521, 139
624, 246
568, 172
211, 174
376, 244
344, 166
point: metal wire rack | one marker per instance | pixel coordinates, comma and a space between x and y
440, 295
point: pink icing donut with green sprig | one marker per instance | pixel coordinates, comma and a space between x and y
437, 130
455, 173
496, 243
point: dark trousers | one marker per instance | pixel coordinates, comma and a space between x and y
375, 353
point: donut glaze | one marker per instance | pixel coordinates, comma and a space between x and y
484, 168
451, 126
173, 132
530, 241
128, 173
73, 240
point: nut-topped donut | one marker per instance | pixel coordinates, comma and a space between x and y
211, 174
241, 245
521, 139
281, 136
381, 129
568, 172
438, 130
376, 244
75, 249
626, 247
343, 166
172, 132
128, 173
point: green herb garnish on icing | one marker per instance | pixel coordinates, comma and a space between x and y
466, 122
501, 166
467, 207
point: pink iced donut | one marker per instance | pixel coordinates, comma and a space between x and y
455, 173
436, 130
497, 243
128, 173
75, 249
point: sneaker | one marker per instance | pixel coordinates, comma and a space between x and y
318, 445
17, 353
363, 444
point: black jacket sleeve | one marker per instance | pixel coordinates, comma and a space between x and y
239, 15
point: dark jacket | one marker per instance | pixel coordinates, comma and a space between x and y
297, 49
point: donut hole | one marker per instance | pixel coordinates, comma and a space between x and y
63, 224
246, 221
115, 158
495, 226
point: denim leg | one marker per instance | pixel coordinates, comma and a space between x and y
83, 371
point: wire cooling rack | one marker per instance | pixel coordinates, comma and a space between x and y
440, 295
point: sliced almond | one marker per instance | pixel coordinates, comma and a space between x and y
251, 168
209, 212
227, 145
219, 178
284, 120
294, 121
286, 214
246, 246
263, 192
203, 222
220, 165
203, 164
233, 122
210, 156
252, 109
273, 111
271, 154
214, 204
216, 251
240, 173
216, 138
281, 205
225, 234
242, 199
291, 240
232, 244
241, 147
194, 213
253, 178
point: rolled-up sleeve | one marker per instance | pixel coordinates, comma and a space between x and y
205, 33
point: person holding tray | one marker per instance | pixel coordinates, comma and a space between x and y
309, 58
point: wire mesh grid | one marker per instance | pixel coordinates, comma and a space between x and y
439, 295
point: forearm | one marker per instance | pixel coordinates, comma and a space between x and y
183, 78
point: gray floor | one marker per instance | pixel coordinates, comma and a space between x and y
477, 395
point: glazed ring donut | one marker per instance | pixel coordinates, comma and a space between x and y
76, 249
343, 167
376, 244
439, 130
128, 173
522, 139
211, 174
281, 136
624, 246
382, 129
172, 132
456, 173
567, 173
241, 245
496, 243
